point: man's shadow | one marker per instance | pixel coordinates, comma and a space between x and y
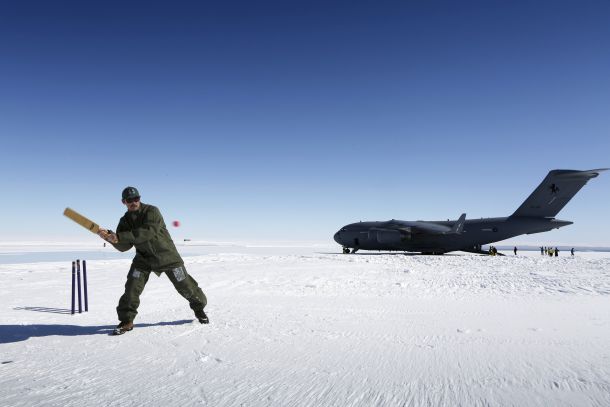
18, 333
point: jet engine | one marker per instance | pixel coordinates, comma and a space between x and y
389, 236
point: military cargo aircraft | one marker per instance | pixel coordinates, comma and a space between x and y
535, 215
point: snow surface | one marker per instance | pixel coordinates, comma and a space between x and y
307, 326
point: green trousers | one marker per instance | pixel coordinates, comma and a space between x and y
137, 279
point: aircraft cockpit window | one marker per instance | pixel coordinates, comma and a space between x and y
343, 229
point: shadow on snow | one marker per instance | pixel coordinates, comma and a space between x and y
44, 309
392, 253
18, 333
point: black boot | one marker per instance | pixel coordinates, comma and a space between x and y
122, 328
202, 317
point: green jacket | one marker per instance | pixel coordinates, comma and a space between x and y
145, 229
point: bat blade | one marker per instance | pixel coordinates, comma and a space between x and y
82, 220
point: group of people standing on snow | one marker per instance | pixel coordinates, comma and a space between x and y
549, 251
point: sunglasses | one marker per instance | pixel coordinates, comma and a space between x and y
132, 200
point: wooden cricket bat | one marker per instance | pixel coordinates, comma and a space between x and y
81, 220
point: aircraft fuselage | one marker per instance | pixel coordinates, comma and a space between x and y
535, 215
404, 235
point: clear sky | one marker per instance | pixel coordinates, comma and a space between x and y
285, 120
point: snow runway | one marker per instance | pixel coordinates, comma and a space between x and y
306, 327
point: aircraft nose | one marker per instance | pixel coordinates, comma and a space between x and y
337, 237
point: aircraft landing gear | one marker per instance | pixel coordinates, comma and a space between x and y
346, 250
354, 250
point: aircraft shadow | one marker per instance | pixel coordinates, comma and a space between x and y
389, 253
18, 333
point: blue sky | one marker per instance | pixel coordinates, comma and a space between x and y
285, 120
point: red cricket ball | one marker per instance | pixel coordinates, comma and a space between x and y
176, 223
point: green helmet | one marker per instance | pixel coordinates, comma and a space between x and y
130, 192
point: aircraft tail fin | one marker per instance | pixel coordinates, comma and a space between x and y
458, 226
554, 192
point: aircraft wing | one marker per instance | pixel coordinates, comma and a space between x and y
458, 226
430, 228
